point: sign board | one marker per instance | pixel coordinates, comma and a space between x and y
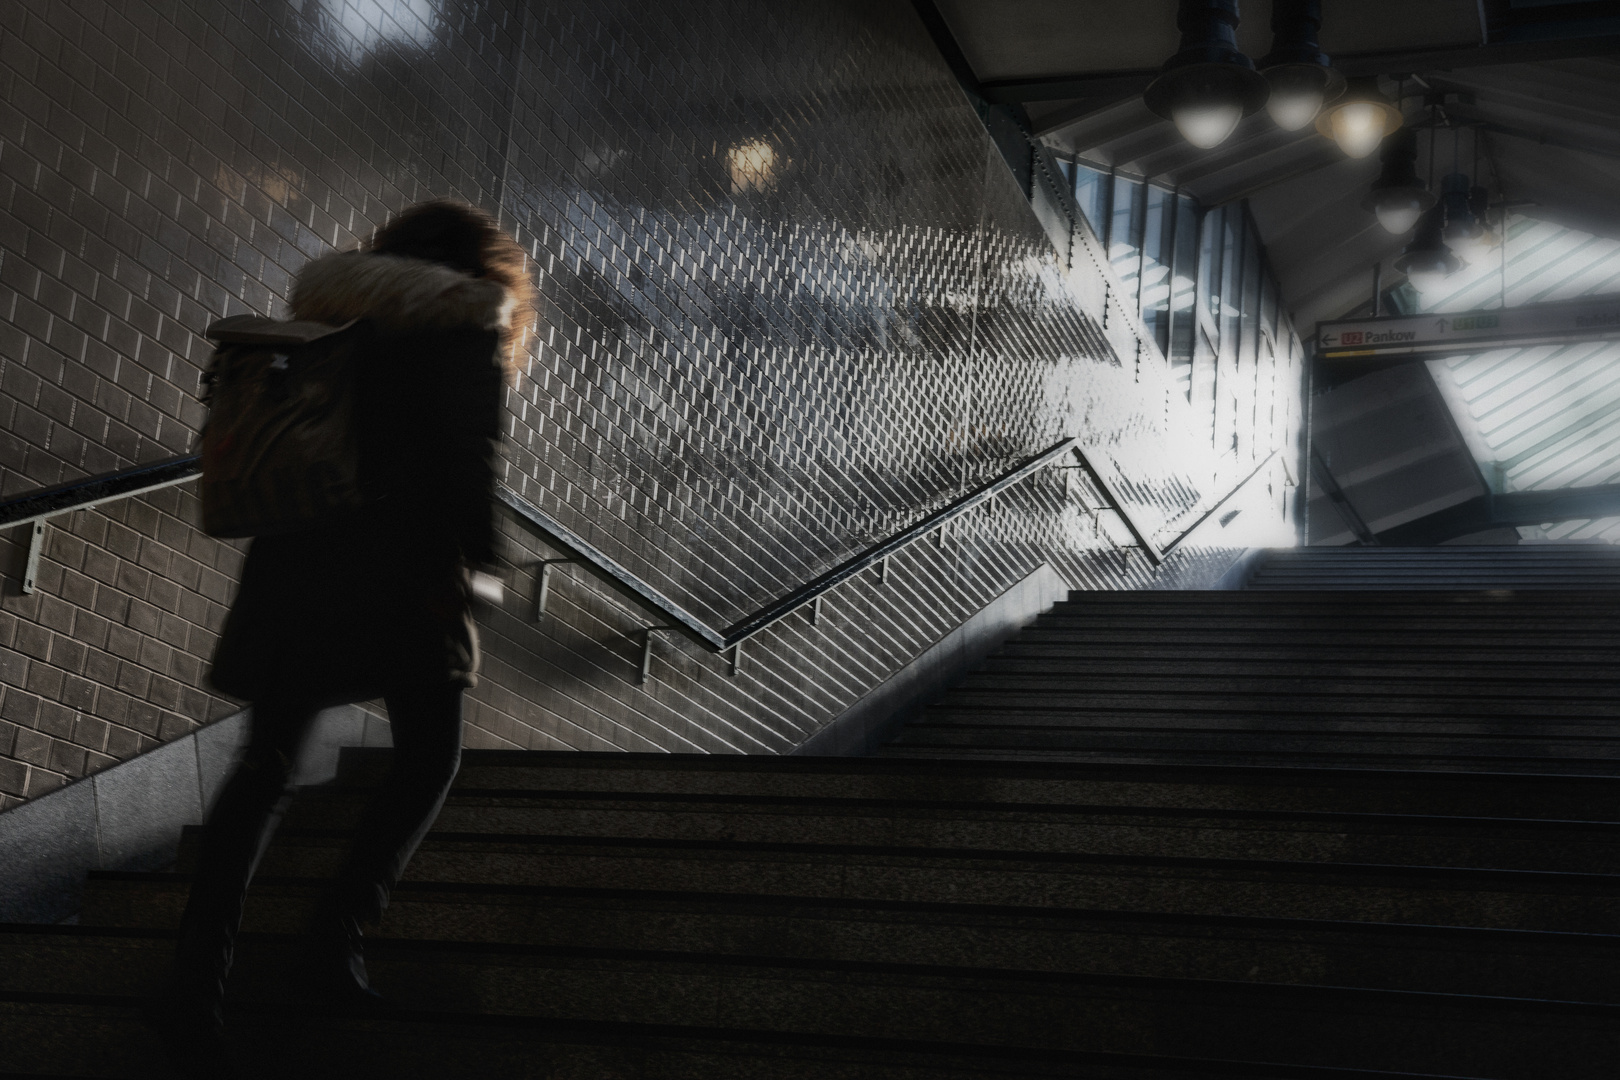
1595, 318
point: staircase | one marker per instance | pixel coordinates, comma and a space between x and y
1333, 826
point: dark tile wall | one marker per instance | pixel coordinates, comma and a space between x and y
792, 301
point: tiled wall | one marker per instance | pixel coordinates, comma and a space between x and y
792, 301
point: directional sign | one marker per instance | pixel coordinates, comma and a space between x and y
1595, 318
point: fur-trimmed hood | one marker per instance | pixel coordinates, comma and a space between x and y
398, 293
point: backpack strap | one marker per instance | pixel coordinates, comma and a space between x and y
258, 330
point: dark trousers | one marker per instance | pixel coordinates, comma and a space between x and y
426, 724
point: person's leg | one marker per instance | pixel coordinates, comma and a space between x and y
426, 723
239, 828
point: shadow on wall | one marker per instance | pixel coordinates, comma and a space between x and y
129, 817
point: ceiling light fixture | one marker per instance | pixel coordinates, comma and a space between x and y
1485, 244
1462, 230
1399, 195
1426, 261
1298, 72
1208, 86
1360, 119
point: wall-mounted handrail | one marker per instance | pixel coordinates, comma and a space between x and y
94, 490
37, 507
40, 505
1224, 499
577, 549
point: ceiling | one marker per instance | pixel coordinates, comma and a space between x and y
1539, 81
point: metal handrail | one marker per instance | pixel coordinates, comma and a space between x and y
577, 549
38, 506
1224, 499
83, 494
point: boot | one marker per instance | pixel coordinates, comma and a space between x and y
190, 1026
335, 964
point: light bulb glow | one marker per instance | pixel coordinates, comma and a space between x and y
1206, 125
1471, 249
1358, 128
1461, 232
1292, 111
1427, 282
1398, 215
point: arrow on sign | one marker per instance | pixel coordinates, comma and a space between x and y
1441, 325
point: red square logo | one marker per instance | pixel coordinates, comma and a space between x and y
1351, 337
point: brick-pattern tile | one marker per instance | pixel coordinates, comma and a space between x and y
792, 301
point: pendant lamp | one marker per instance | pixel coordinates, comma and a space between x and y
1399, 195
1426, 261
1359, 120
1208, 86
1296, 69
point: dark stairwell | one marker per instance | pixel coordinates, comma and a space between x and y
1357, 820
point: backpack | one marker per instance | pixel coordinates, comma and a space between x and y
280, 449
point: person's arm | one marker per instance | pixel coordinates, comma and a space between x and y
469, 409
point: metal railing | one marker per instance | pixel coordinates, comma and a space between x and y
731, 638
38, 507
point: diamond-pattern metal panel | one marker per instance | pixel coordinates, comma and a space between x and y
791, 302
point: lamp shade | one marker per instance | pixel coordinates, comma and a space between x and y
1359, 120
1299, 74
1461, 224
1399, 196
1208, 86
1426, 261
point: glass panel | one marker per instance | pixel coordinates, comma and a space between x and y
1091, 196
1209, 267
1156, 230
1268, 309
1184, 320
1230, 302
1249, 312
1124, 236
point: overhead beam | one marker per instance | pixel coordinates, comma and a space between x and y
1128, 83
945, 41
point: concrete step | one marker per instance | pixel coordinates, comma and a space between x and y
1502, 685
1483, 582
1389, 956
1163, 720
1005, 746
1393, 668
1394, 839
1325, 641
1273, 888
1198, 698
915, 1004
1459, 626
1305, 596
1097, 646
997, 783
102, 1037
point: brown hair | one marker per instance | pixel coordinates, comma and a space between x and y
467, 239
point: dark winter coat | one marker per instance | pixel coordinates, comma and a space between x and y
356, 608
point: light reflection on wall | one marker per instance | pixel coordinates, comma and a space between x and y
753, 166
358, 28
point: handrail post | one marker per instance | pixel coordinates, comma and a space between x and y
645, 672
734, 665
36, 547
543, 594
